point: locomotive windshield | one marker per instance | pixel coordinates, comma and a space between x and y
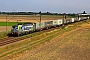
15, 27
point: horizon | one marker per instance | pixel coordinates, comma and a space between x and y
43, 12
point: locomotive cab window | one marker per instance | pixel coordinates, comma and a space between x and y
14, 27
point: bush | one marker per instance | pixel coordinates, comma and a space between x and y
3, 34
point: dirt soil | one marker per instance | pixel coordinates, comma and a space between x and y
27, 18
73, 45
3, 28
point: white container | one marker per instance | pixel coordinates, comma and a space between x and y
55, 22
88, 17
60, 22
80, 19
72, 19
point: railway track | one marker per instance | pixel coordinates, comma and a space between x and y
10, 40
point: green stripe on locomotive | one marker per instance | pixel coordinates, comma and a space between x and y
19, 27
31, 29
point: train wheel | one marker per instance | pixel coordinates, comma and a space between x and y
47, 28
25, 33
29, 32
18, 35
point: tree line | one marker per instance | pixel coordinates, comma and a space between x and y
37, 13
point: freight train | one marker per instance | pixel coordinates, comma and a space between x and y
30, 27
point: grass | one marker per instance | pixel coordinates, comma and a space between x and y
27, 43
20, 47
50, 36
8, 24
3, 34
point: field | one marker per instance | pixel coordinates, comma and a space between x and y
28, 18
14, 19
69, 43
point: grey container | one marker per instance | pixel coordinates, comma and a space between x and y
75, 19
48, 24
65, 21
68, 21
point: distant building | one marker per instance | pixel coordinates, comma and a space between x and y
84, 14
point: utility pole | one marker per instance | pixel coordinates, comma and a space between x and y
65, 15
78, 16
40, 18
64, 18
6, 24
63, 21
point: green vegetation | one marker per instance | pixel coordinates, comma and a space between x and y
8, 24
34, 13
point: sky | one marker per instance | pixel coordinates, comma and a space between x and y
58, 6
